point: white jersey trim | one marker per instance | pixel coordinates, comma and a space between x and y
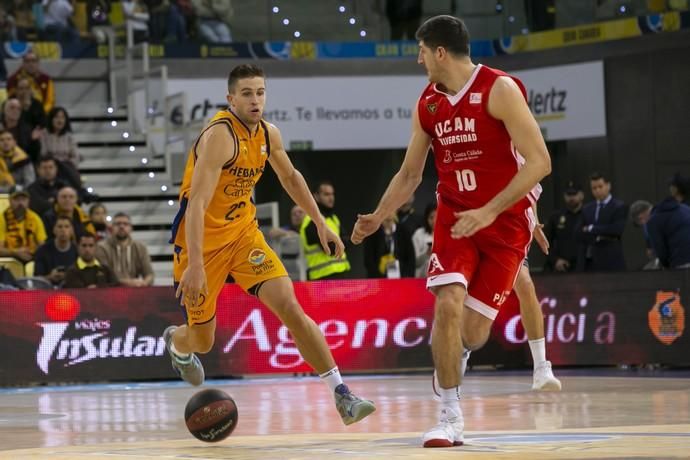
480, 307
454, 99
446, 278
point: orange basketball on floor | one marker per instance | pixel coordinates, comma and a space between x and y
211, 415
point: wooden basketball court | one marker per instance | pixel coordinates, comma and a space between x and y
594, 417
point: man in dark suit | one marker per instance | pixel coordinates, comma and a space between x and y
601, 229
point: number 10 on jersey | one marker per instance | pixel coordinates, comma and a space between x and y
466, 180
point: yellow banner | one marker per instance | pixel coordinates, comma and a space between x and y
591, 33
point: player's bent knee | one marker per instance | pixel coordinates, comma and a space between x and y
449, 301
474, 340
448, 312
203, 341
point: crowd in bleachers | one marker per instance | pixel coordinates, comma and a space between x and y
44, 227
155, 20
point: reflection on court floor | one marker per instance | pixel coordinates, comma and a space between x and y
594, 417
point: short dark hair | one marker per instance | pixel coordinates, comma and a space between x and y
59, 218
596, 175
321, 183
64, 186
86, 235
46, 159
122, 214
445, 31
244, 71
95, 206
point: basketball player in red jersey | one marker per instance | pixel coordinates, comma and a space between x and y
476, 120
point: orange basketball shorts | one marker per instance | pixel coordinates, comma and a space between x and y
249, 260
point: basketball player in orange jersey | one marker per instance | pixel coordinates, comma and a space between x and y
216, 233
490, 156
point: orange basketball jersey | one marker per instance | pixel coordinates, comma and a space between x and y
231, 211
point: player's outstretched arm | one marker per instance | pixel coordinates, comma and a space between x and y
507, 103
215, 148
401, 187
294, 184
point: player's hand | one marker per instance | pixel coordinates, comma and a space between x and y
192, 286
470, 222
366, 225
329, 239
541, 239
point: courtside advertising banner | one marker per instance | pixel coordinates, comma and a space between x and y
94, 335
340, 113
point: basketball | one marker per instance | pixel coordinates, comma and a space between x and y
211, 415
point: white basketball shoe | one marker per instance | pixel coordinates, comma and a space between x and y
543, 378
449, 431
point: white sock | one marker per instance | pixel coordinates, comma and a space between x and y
538, 348
450, 402
332, 378
182, 356
449, 394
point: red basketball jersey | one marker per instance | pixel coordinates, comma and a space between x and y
474, 155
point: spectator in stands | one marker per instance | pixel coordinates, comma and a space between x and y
601, 228
55, 255
98, 11
3, 76
667, 225
319, 264
32, 109
292, 229
57, 142
167, 22
214, 18
87, 271
423, 239
408, 218
26, 137
66, 206
8, 29
22, 16
128, 258
380, 259
560, 230
137, 14
16, 160
408, 221
57, 17
679, 188
404, 17
99, 218
21, 229
6, 178
44, 190
42, 84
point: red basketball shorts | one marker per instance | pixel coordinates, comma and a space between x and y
487, 263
